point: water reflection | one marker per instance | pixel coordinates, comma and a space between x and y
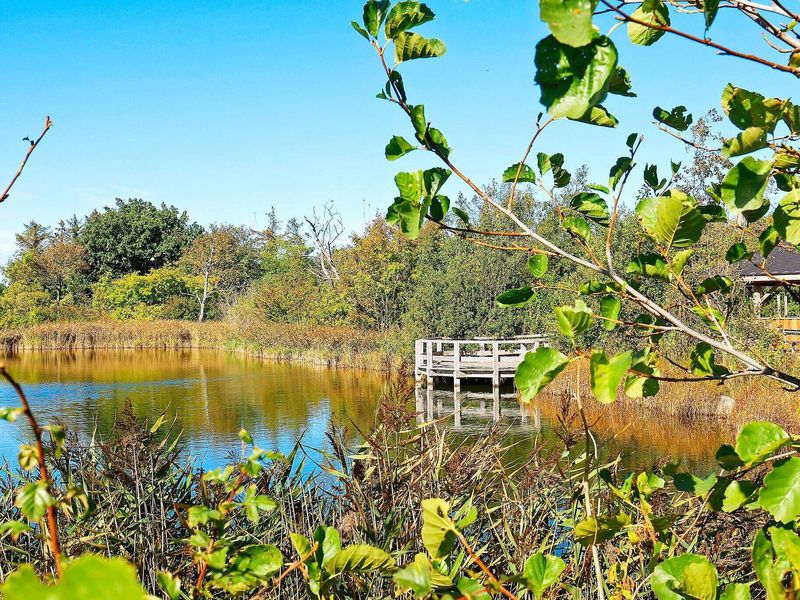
214, 394
641, 437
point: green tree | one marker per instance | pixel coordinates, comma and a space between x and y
226, 259
135, 236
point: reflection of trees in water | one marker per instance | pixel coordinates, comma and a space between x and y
214, 394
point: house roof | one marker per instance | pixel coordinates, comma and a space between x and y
779, 262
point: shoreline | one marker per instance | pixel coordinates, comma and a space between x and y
321, 346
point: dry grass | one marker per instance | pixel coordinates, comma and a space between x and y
755, 399
330, 346
115, 335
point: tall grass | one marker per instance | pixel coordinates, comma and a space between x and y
331, 346
139, 490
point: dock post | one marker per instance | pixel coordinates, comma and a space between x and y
429, 394
495, 404
457, 408
429, 348
420, 404
495, 364
418, 362
457, 366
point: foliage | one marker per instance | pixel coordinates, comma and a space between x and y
166, 293
135, 236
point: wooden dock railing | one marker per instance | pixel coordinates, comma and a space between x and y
477, 358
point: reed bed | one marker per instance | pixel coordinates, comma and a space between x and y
329, 346
139, 488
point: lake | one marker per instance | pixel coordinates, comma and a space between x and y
215, 394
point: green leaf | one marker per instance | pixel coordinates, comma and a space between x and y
11, 414
14, 529
759, 440
738, 252
573, 80
710, 8
405, 16
329, 543
638, 386
537, 265
362, 32
651, 177
397, 147
200, 515
679, 260
594, 530
727, 458
650, 265
749, 140
570, 21
526, 174
541, 572
609, 308
538, 369
516, 297
433, 180
170, 585
360, 558
440, 205
751, 110
780, 495
472, 589
414, 578
736, 591
461, 215
717, 283
769, 574
577, 226
744, 185
701, 362
676, 118
85, 578
651, 12
438, 529
674, 220
731, 495
592, 206
709, 315
605, 375
33, 499
374, 13
573, 320
599, 115
768, 241
543, 162
786, 218
409, 216
28, 457
620, 168
411, 46
622, 86
685, 576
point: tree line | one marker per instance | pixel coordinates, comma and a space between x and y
136, 260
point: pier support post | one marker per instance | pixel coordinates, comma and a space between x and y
429, 348
495, 365
456, 367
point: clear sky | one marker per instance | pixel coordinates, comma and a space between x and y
227, 108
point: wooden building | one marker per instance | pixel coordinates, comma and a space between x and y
768, 289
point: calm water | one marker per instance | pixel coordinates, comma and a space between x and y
214, 395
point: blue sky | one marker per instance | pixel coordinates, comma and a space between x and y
228, 108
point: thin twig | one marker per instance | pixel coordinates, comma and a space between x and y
47, 125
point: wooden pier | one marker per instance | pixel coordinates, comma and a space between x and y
478, 358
